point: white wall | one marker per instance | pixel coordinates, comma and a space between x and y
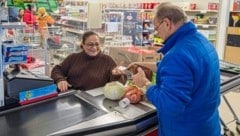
231, 4
222, 27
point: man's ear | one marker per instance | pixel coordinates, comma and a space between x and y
167, 22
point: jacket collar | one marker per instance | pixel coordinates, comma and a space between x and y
186, 28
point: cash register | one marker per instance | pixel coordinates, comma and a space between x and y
16, 81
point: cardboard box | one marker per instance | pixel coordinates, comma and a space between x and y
127, 55
232, 54
233, 30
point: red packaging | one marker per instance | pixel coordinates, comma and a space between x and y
193, 6
141, 5
155, 4
212, 6
150, 5
235, 6
146, 6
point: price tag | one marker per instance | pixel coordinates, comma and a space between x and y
203, 11
205, 26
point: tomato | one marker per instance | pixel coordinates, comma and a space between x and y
134, 94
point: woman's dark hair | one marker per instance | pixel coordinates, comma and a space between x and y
87, 34
29, 7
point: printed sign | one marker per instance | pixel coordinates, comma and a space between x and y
14, 54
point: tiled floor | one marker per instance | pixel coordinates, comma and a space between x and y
226, 114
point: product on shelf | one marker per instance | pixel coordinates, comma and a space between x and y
213, 6
136, 26
236, 5
205, 19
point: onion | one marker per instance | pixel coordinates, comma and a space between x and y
113, 90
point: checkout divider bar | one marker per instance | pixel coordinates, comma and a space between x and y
232, 84
85, 97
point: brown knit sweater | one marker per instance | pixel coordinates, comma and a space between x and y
85, 72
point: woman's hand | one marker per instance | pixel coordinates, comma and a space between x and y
118, 71
63, 86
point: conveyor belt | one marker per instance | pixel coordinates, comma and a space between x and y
117, 121
47, 117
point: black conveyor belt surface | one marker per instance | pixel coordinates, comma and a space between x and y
48, 117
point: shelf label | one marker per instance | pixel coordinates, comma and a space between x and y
203, 11
205, 26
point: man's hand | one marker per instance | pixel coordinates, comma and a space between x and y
151, 65
140, 79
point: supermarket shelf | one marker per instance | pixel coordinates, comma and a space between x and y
17, 25
148, 30
235, 11
67, 25
73, 31
73, 19
122, 9
212, 39
205, 25
129, 9
55, 14
79, 32
149, 21
202, 11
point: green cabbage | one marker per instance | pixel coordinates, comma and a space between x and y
113, 90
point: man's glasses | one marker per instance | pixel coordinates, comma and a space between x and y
91, 45
158, 25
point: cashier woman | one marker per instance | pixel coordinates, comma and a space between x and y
88, 69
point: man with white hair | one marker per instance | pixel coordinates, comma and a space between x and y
187, 90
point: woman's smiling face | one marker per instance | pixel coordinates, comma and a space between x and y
92, 45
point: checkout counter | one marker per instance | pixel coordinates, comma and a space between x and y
87, 113
78, 113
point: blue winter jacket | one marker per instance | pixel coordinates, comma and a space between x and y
187, 90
